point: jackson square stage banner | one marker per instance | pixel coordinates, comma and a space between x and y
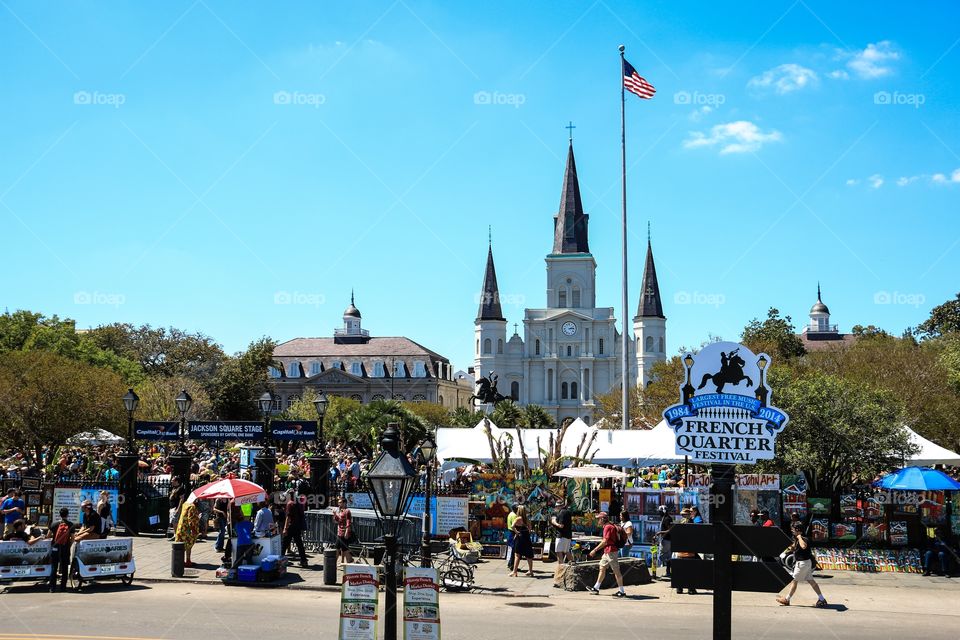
727, 417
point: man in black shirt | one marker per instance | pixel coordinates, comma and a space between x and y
62, 538
663, 548
20, 533
92, 528
562, 522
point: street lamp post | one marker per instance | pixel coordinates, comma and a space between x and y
266, 461
129, 463
320, 464
389, 482
180, 460
428, 450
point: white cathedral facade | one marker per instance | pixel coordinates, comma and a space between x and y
570, 351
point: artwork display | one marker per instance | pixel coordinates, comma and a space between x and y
819, 529
845, 530
897, 533
869, 560
818, 507
794, 495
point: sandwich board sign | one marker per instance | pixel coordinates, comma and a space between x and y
724, 416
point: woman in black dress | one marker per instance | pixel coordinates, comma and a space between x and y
522, 547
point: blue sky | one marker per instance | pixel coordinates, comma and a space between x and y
235, 168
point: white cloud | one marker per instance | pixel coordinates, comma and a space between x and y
732, 137
876, 181
784, 79
903, 181
839, 74
697, 114
873, 61
941, 178
852, 182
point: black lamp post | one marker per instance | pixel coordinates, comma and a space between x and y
130, 401
180, 460
428, 451
761, 388
320, 463
184, 402
389, 482
266, 462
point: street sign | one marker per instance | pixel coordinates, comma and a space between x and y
762, 577
726, 418
747, 540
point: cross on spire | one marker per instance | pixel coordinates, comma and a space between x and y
514, 327
570, 127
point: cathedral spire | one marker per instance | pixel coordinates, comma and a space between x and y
570, 223
650, 305
490, 295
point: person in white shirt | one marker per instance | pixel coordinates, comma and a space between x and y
263, 524
627, 527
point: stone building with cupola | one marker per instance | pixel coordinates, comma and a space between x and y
570, 349
351, 363
820, 333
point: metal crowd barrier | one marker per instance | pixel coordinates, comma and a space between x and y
321, 530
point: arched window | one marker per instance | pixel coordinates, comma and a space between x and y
586, 419
562, 298
569, 350
336, 365
601, 347
499, 345
487, 345
537, 347
550, 385
357, 397
378, 370
276, 373
291, 400
661, 345
440, 399
399, 396
277, 404
293, 370
515, 391
399, 369
478, 346
649, 343
573, 391
586, 384
314, 368
576, 296
419, 369
419, 398
377, 396
563, 390
356, 368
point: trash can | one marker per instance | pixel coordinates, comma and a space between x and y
330, 565
177, 550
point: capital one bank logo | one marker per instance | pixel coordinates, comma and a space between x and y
725, 415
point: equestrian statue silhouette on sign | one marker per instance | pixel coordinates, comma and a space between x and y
731, 372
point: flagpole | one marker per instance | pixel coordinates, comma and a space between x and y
624, 341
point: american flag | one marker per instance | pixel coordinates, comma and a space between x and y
633, 83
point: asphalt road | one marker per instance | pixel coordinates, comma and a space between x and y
199, 612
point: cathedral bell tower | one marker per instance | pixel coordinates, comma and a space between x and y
490, 327
649, 325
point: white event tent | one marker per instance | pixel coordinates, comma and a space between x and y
612, 446
930, 452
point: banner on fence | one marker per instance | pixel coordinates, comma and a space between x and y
21, 560
359, 603
421, 604
293, 429
154, 430
234, 430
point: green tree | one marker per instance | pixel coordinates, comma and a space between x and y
46, 398
162, 352
507, 415
240, 380
464, 417
944, 319
840, 431
434, 414
362, 427
536, 417
158, 395
29, 331
774, 336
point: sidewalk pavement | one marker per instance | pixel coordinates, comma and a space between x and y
152, 555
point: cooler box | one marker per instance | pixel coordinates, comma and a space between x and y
247, 572
270, 563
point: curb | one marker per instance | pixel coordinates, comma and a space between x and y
206, 581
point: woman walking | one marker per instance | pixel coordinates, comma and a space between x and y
522, 546
188, 530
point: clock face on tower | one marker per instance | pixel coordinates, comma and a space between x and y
569, 328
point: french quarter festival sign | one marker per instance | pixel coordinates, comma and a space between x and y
725, 415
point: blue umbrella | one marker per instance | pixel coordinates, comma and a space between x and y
918, 479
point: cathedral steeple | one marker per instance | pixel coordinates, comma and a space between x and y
490, 295
650, 305
570, 223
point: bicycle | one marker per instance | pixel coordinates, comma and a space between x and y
453, 573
